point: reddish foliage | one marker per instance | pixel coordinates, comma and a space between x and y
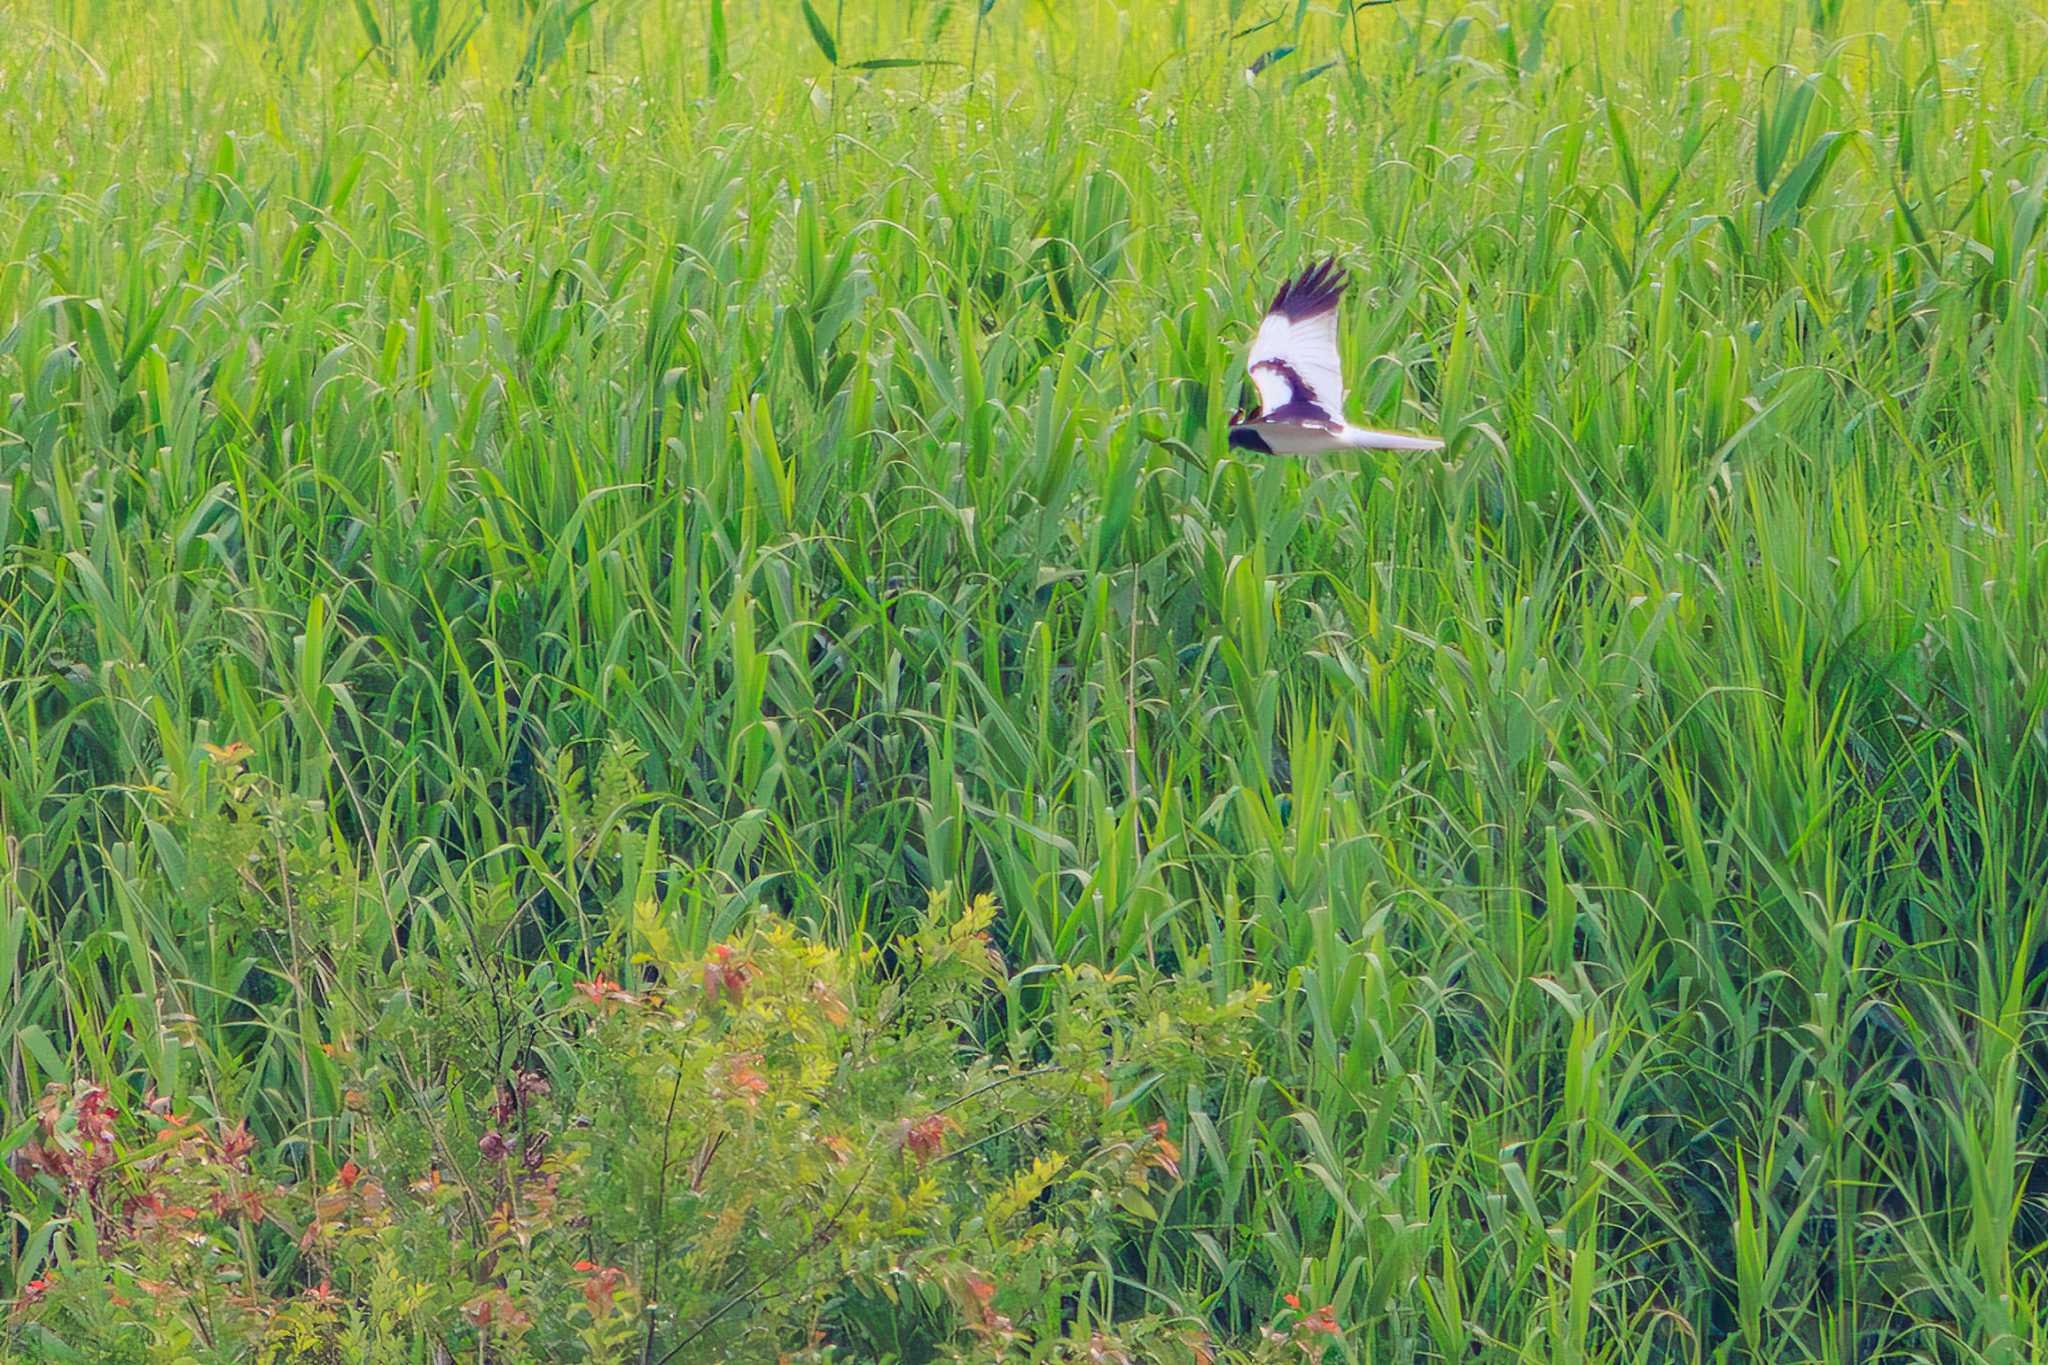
600, 1286
978, 1301
725, 977
1164, 1155
80, 1154
601, 990
1323, 1321
32, 1293
744, 1081
95, 1116
926, 1138
496, 1309
246, 1204
152, 1210
159, 1108
829, 1004
237, 1143
515, 1096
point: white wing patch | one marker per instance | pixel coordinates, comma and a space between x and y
1309, 350
1275, 389
1296, 345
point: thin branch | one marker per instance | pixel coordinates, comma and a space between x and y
826, 1231
661, 1206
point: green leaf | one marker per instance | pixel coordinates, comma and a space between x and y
1137, 1205
892, 63
1778, 127
1305, 77
1116, 506
35, 1040
1624, 155
1801, 183
371, 29
821, 35
714, 51
426, 23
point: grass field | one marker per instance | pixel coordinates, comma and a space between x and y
498, 497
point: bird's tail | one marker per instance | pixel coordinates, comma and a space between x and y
1365, 438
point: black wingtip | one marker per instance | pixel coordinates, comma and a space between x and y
1315, 290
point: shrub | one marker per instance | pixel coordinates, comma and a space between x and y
781, 1149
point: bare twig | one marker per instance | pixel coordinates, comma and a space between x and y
661, 1211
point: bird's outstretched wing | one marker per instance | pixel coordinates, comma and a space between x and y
1293, 359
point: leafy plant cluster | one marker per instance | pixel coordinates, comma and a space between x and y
776, 1149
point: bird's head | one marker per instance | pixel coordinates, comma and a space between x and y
1248, 438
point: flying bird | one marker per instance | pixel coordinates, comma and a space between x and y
1300, 378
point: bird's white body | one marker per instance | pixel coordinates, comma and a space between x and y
1300, 378
1319, 438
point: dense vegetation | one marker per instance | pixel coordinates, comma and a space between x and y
642, 716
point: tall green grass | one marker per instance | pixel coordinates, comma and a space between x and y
1641, 812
